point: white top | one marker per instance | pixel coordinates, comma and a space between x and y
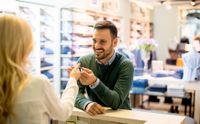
38, 102
191, 62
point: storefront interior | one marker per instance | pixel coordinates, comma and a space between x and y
63, 30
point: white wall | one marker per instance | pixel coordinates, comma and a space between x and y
125, 23
165, 28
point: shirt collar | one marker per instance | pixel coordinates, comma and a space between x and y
110, 60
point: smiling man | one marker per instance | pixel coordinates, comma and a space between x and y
106, 75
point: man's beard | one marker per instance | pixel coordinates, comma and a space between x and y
102, 54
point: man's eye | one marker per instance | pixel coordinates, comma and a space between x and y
102, 42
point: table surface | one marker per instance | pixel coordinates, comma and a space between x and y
132, 116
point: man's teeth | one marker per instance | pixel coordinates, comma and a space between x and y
99, 51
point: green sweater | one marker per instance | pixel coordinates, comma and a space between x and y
115, 83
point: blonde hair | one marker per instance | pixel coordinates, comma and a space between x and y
15, 45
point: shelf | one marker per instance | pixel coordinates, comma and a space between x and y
73, 22
82, 34
64, 67
79, 54
46, 68
83, 43
65, 42
64, 79
140, 29
47, 56
93, 13
66, 56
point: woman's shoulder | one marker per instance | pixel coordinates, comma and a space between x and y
34, 87
38, 79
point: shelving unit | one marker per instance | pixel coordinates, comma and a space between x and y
47, 43
44, 55
188, 22
30, 13
141, 28
76, 28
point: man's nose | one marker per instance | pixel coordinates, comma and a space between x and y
96, 45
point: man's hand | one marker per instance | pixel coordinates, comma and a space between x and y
94, 109
87, 77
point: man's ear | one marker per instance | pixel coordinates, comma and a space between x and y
115, 41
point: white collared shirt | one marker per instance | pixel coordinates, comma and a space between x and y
191, 62
110, 60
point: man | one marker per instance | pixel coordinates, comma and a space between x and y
106, 75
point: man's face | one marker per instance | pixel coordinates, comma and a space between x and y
103, 44
173, 54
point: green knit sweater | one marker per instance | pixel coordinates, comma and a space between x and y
115, 83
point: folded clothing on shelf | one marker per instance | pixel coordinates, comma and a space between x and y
47, 50
64, 73
44, 63
175, 89
153, 99
137, 90
178, 74
142, 83
171, 61
48, 74
168, 100
67, 49
63, 84
66, 62
138, 71
67, 27
158, 88
159, 74
44, 38
66, 37
139, 86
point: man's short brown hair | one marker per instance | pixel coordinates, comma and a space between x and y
107, 25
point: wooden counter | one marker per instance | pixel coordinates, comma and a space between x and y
134, 116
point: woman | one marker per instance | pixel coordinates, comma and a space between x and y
24, 98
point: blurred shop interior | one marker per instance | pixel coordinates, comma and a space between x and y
153, 34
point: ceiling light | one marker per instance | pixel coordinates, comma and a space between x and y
168, 6
193, 3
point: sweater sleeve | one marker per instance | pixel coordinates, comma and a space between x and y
116, 97
60, 108
81, 100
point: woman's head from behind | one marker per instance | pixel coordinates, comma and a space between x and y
15, 39
15, 45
